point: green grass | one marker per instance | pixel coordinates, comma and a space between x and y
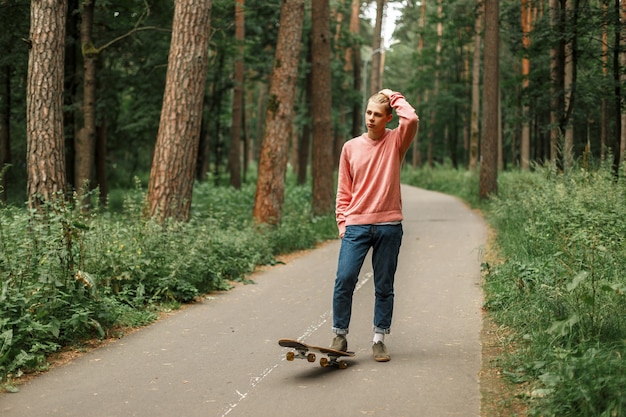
561, 290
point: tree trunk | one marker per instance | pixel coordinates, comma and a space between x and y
321, 106
5, 128
557, 53
417, 151
491, 86
304, 144
234, 154
73, 80
85, 139
525, 138
101, 163
604, 118
569, 79
377, 50
357, 67
438, 47
474, 123
270, 191
622, 125
173, 167
45, 159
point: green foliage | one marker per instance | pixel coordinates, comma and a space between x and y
561, 289
67, 275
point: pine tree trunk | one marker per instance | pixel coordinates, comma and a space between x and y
85, 140
270, 192
556, 75
234, 154
5, 127
45, 159
491, 86
357, 68
321, 106
525, 138
377, 50
475, 116
622, 125
173, 167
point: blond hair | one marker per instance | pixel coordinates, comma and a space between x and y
380, 98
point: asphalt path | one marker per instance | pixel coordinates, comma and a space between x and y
220, 357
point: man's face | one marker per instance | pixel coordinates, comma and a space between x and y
376, 117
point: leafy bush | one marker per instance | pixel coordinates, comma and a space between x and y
68, 275
561, 289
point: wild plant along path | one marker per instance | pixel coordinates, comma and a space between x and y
220, 357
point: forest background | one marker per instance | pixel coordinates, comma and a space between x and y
98, 102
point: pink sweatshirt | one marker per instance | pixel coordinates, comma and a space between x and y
368, 188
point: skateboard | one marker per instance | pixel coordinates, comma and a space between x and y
303, 351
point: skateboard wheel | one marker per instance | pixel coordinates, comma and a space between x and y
290, 356
343, 364
324, 362
310, 357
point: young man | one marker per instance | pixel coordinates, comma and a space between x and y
369, 213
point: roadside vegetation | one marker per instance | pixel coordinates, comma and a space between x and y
559, 293
68, 276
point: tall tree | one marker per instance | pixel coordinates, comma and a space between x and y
321, 107
557, 53
436, 76
604, 120
621, 44
354, 57
5, 127
234, 154
44, 102
377, 50
85, 140
491, 86
569, 78
173, 166
474, 119
270, 190
525, 138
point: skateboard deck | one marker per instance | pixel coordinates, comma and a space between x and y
303, 351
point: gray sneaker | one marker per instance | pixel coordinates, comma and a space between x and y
340, 343
380, 352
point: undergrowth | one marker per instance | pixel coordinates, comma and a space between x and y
68, 275
561, 289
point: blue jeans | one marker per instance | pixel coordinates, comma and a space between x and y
357, 240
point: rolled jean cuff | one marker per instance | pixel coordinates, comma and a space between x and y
383, 331
340, 331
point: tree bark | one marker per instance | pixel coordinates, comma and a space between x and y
357, 68
173, 166
491, 86
45, 158
621, 127
569, 79
85, 140
475, 116
557, 53
321, 102
5, 128
270, 191
234, 154
525, 138
377, 50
